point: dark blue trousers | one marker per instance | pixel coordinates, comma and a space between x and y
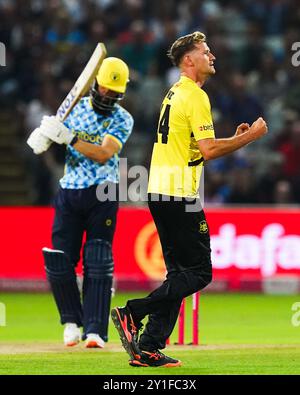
78, 211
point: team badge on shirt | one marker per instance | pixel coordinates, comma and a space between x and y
203, 228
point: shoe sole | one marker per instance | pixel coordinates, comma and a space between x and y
71, 344
93, 344
126, 344
139, 364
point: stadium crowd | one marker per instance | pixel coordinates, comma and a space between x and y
48, 43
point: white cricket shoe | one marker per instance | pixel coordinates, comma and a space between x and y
93, 340
72, 335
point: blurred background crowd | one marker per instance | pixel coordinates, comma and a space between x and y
48, 43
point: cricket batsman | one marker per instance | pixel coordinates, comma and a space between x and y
94, 132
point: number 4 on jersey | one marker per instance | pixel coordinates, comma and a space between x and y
163, 126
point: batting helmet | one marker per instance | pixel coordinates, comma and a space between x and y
113, 74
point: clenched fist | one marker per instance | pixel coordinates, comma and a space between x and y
242, 128
258, 129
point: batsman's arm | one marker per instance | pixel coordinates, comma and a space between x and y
99, 153
79, 89
59, 133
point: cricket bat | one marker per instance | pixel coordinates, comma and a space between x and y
83, 82
79, 89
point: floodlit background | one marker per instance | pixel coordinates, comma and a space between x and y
48, 43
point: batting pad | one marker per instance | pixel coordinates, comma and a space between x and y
62, 278
97, 287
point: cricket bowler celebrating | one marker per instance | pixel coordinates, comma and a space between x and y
94, 132
185, 140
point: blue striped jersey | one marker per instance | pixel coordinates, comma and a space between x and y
80, 171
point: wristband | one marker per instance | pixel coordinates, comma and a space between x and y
74, 140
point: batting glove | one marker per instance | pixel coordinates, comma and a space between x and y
38, 142
52, 128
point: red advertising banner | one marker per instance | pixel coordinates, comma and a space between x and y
246, 243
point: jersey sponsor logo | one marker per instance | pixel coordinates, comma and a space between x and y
88, 137
206, 127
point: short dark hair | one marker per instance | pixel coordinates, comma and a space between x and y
183, 45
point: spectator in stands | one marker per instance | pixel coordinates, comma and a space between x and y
254, 51
140, 49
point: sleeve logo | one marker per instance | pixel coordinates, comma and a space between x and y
206, 127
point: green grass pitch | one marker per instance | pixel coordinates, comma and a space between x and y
239, 334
